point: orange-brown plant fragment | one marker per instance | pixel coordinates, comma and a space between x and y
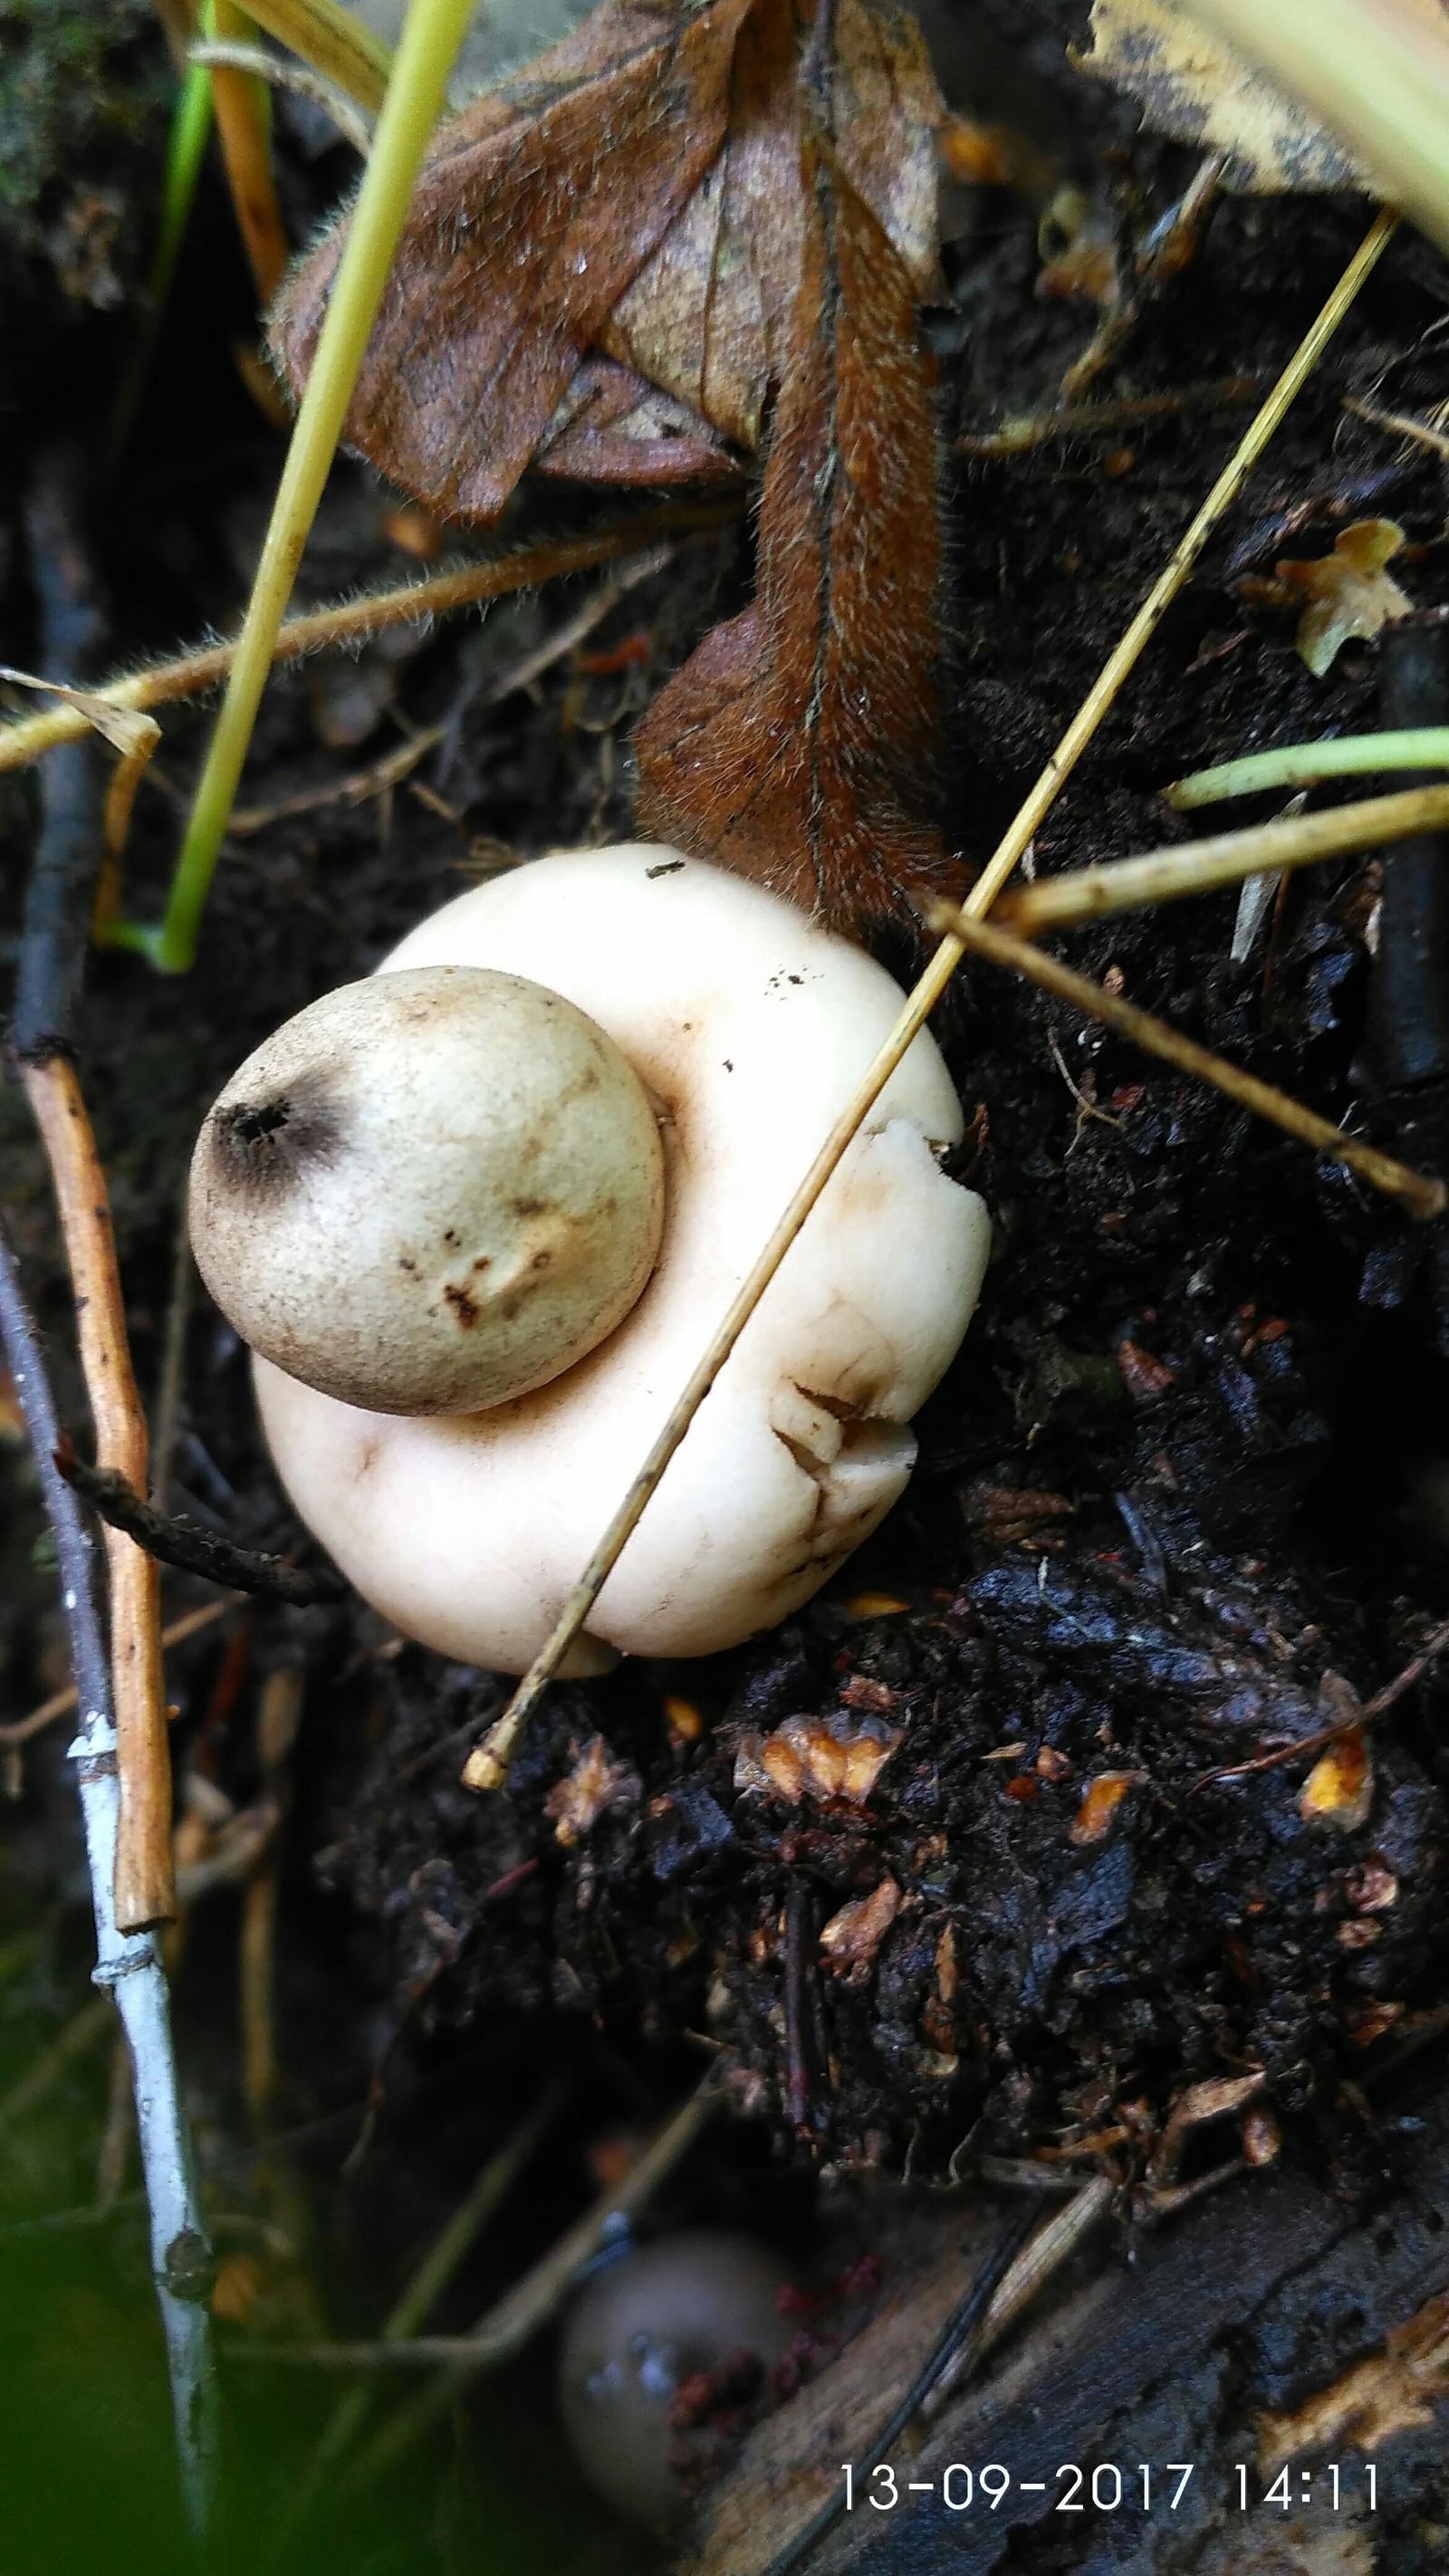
796, 743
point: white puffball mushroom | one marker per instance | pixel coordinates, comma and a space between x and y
640, 2328
430, 1191
749, 1028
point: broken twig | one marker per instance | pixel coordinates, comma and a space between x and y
195, 1551
352, 621
144, 1892
1371, 1710
960, 2342
130, 1964
61, 1702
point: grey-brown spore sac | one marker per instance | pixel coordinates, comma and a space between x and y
656, 2325
429, 1192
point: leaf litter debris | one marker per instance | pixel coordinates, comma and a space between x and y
691, 220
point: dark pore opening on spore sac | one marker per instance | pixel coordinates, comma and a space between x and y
252, 1126
266, 1142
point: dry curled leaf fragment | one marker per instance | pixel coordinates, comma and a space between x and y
1339, 1790
1077, 243
1218, 2098
1195, 89
852, 1937
1347, 593
1146, 1378
835, 1757
1367, 2022
597, 1780
1262, 2138
611, 425
126, 729
1101, 1799
1002, 1514
796, 745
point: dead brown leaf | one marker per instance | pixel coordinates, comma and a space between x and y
602, 256
534, 210
1339, 1790
1345, 594
852, 1937
597, 1780
669, 239
708, 317
1194, 88
796, 744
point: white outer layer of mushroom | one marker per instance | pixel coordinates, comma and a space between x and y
750, 1027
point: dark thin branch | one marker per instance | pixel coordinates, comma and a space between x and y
128, 1964
68, 851
192, 1550
1409, 981
962, 2325
1372, 1709
799, 1944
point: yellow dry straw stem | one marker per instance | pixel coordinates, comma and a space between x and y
244, 131
1421, 1193
335, 44
487, 1765
1375, 71
352, 621
1167, 876
430, 42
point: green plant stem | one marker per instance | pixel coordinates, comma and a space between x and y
185, 153
430, 42
1302, 764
